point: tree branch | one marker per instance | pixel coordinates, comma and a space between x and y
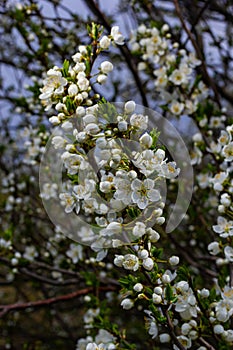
47, 302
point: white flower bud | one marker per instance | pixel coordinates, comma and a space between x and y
158, 290
54, 120
67, 126
80, 111
105, 42
197, 137
122, 125
165, 28
218, 329
82, 49
89, 118
174, 260
72, 90
132, 174
193, 334
164, 338
118, 261
153, 235
148, 264
185, 328
60, 106
130, 107
101, 79
160, 220
228, 335
92, 129
58, 142
204, 293
127, 304
138, 287
156, 298
143, 254
106, 67
146, 140
166, 278
142, 29
14, 261
214, 248
116, 243
87, 298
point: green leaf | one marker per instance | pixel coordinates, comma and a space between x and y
169, 293
155, 135
183, 273
65, 68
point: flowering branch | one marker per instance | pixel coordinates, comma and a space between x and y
199, 54
123, 49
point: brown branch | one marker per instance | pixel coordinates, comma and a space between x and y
48, 280
208, 345
47, 302
231, 274
171, 330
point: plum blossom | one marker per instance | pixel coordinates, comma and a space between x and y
117, 36
75, 253
131, 262
53, 84
69, 202
186, 303
224, 227
224, 308
30, 253
144, 193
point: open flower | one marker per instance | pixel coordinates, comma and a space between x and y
224, 227
143, 192
131, 262
53, 84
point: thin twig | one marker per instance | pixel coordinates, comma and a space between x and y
47, 302
208, 345
171, 330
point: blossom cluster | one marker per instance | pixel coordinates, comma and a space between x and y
172, 69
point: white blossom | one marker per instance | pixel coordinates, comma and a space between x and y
144, 193
131, 262
106, 67
105, 42
127, 304
117, 36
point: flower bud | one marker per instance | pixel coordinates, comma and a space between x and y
106, 67
148, 264
146, 140
130, 107
105, 42
174, 260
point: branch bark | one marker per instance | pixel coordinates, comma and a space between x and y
47, 302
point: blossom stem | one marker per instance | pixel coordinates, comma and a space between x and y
204, 342
171, 329
231, 274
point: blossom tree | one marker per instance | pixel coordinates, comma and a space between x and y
116, 164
